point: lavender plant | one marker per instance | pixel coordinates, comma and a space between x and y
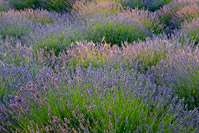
17, 68
136, 25
21, 25
56, 37
178, 11
180, 72
191, 29
129, 25
37, 16
4, 5
116, 29
149, 19
40, 16
15, 27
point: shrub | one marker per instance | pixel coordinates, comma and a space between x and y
4, 5
37, 16
56, 37
126, 26
191, 30
138, 55
15, 27
180, 71
116, 29
17, 68
178, 11
24, 26
129, 25
57, 31
149, 19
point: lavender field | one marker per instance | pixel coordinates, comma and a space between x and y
104, 66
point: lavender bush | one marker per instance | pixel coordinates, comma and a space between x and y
12, 26
17, 68
180, 72
116, 29
4, 5
178, 11
191, 30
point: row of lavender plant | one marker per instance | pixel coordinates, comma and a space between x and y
40, 29
103, 99
144, 21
